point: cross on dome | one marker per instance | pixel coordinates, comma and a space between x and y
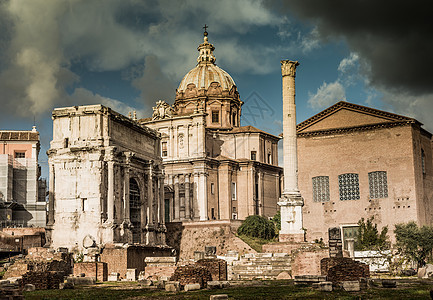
206, 50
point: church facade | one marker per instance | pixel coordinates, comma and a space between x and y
215, 169
357, 162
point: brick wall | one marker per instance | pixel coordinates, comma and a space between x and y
339, 269
217, 267
92, 269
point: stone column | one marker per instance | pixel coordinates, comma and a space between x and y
202, 196
187, 198
176, 198
126, 208
51, 197
110, 192
196, 197
149, 196
291, 201
161, 203
260, 195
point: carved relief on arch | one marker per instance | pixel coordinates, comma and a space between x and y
191, 91
214, 89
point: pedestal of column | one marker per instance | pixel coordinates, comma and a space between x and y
291, 218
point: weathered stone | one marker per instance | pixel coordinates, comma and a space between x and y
113, 277
131, 274
192, 287
66, 286
89, 241
219, 297
351, 286
213, 285
389, 283
284, 275
172, 286
81, 280
29, 287
421, 272
325, 286
428, 271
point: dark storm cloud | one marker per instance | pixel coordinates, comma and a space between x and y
394, 39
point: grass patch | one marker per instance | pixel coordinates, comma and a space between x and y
259, 290
254, 242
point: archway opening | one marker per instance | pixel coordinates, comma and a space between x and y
134, 210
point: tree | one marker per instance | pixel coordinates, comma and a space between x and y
414, 243
277, 220
257, 226
369, 238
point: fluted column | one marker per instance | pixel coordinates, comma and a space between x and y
110, 191
126, 208
291, 201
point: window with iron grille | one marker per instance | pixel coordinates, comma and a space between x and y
349, 186
321, 188
378, 184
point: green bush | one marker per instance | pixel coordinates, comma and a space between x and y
277, 221
257, 226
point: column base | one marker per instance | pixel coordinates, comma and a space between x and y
291, 237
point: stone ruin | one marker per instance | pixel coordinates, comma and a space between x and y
338, 268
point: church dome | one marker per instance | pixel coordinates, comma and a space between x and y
206, 79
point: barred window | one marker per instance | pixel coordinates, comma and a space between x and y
321, 188
378, 184
349, 186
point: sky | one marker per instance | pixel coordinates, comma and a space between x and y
128, 54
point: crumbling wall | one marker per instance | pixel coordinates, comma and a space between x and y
190, 237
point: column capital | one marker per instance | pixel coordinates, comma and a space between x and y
288, 68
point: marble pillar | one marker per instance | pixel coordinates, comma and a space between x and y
291, 201
202, 196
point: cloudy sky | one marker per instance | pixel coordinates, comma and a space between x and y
128, 54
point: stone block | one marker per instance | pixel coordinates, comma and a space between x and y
428, 271
351, 286
161, 260
66, 286
192, 287
198, 255
219, 297
131, 274
325, 286
81, 280
214, 285
113, 277
421, 272
389, 283
284, 275
29, 287
172, 286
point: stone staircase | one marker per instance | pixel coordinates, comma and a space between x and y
261, 266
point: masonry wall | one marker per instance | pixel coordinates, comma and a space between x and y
361, 152
187, 238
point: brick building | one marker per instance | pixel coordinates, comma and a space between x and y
357, 162
22, 191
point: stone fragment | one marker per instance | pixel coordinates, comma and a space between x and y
29, 287
421, 272
213, 285
428, 271
66, 286
219, 297
325, 286
192, 287
113, 277
284, 275
351, 286
131, 274
172, 286
81, 280
389, 283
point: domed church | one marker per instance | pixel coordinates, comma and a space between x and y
215, 169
